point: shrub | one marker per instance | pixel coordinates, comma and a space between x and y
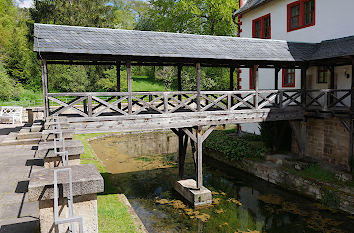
235, 148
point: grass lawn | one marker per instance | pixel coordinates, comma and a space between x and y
143, 83
113, 215
316, 172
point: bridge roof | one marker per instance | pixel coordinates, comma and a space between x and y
87, 43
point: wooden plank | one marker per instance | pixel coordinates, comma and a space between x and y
198, 86
208, 132
190, 134
70, 106
108, 105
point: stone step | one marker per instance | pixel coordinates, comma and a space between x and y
46, 149
28, 135
20, 225
32, 141
47, 135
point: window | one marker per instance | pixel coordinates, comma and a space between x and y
301, 14
288, 78
323, 74
261, 27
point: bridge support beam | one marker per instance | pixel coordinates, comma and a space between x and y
300, 136
192, 190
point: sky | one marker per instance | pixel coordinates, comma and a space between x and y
24, 3
29, 3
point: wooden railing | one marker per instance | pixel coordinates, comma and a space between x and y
93, 104
329, 100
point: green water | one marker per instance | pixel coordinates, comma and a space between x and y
241, 202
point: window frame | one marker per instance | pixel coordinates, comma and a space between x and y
262, 20
302, 24
324, 70
284, 76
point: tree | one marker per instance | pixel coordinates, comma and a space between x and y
10, 89
15, 49
89, 13
209, 17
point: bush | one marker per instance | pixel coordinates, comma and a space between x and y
235, 148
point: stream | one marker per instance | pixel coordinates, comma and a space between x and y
144, 166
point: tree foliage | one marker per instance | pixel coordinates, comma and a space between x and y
209, 17
21, 67
15, 49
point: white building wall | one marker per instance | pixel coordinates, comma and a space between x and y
333, 19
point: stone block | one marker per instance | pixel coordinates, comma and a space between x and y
86, 183
47, 135
45, 151
84, 206
197, 197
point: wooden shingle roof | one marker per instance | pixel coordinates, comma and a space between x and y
101, 41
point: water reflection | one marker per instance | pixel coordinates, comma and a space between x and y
241, 203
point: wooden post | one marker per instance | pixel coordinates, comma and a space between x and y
352, 89
181, 153
198, 86
232, 85
303, 138
199, 136
179, 81
351, 152
331, 84
89, 110
85, 106
303, 85
256, 85
45, 87
129, 81
276, 83
118, 82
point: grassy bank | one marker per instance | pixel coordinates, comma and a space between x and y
113, 215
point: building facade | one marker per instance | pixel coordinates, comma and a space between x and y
309, 21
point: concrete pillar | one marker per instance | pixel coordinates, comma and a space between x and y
86, 183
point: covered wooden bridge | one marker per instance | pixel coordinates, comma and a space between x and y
181, 110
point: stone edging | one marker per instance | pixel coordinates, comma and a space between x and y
273, 174
138, 223
126, 133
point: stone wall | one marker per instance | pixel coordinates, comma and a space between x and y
326, 140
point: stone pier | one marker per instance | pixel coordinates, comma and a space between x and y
45, 151
86, 183
197, 197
